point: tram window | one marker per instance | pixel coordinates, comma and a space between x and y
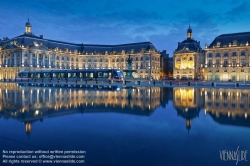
105, 75
91, 75
100, 74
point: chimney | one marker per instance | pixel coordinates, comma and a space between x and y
41, 36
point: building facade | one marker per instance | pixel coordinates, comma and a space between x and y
30, 52
227, 58
166, 64
188, 58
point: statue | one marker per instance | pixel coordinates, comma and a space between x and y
129, 70
129, 61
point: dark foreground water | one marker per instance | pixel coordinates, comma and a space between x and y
127, 126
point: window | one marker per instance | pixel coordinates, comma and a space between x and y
225, 62
243, 62
210, 62
217, 54
235, 42
234, 54
217, 62
226, 54
136, 59
234, 62
190, 58
141, 58
242, 53
210, 55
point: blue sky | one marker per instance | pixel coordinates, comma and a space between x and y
162, 22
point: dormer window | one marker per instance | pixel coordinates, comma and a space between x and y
218, 44
235, 43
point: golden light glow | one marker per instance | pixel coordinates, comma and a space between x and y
28, 127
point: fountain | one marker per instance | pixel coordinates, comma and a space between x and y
130, 70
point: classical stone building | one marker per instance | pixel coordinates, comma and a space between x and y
188, 58
30, 52
227, 58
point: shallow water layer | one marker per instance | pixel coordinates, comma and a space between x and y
128, 126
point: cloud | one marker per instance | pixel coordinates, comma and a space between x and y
239, 12
144, 29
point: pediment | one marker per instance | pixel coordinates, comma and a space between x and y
9, 46
38, 46
184, 50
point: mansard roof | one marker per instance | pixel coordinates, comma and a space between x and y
191, 44
27, 40
225, 39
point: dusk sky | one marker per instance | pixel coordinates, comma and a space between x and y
162, 22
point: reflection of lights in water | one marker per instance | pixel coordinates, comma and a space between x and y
228, 114
245, 115
217, 114
28, 127
149, 106
36, 112
186, 109
205, 111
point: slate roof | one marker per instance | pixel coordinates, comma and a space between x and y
28, 39
242, 38
191, 44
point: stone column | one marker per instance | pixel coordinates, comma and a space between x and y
37, 60
43, 59
22, 58
49, 60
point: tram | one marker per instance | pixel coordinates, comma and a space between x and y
84, 74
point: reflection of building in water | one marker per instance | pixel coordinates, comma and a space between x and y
228, 106
188, 102
32, 103
166, 95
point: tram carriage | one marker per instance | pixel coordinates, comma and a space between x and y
84, 74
